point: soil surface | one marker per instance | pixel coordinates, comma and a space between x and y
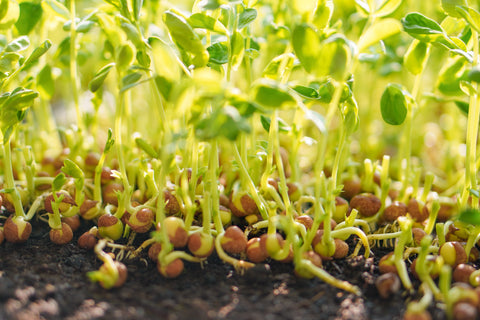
41, 280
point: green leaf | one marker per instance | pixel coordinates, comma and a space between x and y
285, 61
393, 104
56, 8
58, 182
468, 88
306, 92
110, 141
470, 216
380, 30
202, 21
38, 52
470, 15
125, 56
238, 49
184, 36
218, 53
45, 82
9, 14
449, 6
19, 44
71, 169
463, 106
474, 74
223, 122
387, 7
246, 17
145, 146
317, 119
282, 125
30, 14
421, 27
81, 26
415, 57
8, 61
307, 45
448, 80
335, 55
137, 8
272, 94
131, 78
323, 14
99, 77
164, 85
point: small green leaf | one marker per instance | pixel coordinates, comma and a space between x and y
421, 27
306, 92
164, 85
184, 36
470, 216
56, 8
415, 57
131, 78
38, 52
307, 45
474, 74
246, 17
223, 122
238, 49
58, 182
145, 146
9, 13
323, 14
30, 14
449, 6
468, 88
81, 26
463, 106
202, 21
110, 141
18, 44
272, 94
282, 125
8, 61
125, 56
285, 61
71, 169
387, 7
45, 82
137, 8
448, 80
470, 15
99, 77
218, 53
380, 30
394, 105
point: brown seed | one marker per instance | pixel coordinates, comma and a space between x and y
89, 209
395, 210
73, 222
417, 210
341, 249
2, 236
87, 241
141, 221
351, 188
387, 264
171, 203
61, 236
176, 231
387, 284
418, 235
367, 204
420, 315
122, 274
255, 252
154, 250
172, 270
200, 244
109, 192
234, 240
65, 204
17, 230
453, 253
447, 210
91, 160
464, 311
462, 273
315, 259
243, 205
341, 209
306, 220
106, 176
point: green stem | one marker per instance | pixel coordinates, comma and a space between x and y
73, 66
10, 181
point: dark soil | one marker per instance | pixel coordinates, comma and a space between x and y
40, 280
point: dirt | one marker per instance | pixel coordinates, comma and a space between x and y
40, 280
